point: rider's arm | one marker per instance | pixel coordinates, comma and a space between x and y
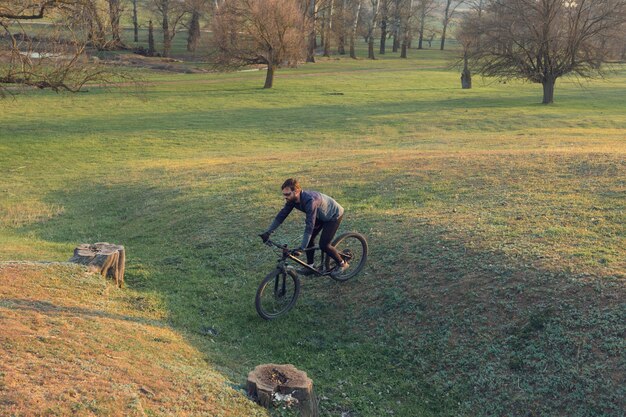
311, 214
280, 217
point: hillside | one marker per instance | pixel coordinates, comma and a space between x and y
496, 227
72, 345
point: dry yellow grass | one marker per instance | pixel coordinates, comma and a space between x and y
73, 345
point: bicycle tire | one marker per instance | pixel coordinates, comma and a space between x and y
271, 305
356, 244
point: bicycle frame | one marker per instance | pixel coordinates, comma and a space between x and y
288, 256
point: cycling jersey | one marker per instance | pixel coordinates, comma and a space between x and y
316, 205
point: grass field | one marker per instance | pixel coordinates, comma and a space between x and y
495, 284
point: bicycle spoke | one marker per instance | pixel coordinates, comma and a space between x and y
277, 294
353, 248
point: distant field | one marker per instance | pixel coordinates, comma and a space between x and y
495, 284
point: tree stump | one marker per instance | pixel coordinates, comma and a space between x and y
276, 385
106, 258
466, 79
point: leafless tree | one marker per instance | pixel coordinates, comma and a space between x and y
311, 15
384, 19
329, 17
542, 40
370, 28
358, 4
425, 9
197, 9
115, 13
406, 11
53, 57
135, 22
171, 13
449, 9
268, 32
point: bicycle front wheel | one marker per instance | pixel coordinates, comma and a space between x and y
352, 247
277, 293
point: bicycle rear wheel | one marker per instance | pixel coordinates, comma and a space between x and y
352, 247
277, 294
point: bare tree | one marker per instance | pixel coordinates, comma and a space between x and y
311, 15
450, 7
355, 16
542, 40
468, 36
135, 22
425, 9
407, 15
197, 9
328, 27
384, 18
54, 58
269, 32
171, 12
115, 13
371, 27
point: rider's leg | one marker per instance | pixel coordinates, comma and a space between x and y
328, 233
310, 254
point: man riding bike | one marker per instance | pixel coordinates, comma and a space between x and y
322, 214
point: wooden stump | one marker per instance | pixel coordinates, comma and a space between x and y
272, 384
106, 258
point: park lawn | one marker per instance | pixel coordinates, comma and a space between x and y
495, 284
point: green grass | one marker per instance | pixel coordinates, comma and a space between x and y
496, 224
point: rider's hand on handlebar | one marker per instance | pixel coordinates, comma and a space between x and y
296, 252
265, 236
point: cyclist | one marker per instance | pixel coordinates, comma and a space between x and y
322, 214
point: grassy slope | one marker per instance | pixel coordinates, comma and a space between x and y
495, 283
73, 345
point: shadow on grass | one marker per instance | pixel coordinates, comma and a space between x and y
431, 327
51, 309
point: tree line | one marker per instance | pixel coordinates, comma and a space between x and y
537, 40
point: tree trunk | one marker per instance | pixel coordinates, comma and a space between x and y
383, 35
466, 75
323, 30
269, 77
310, 53
165, 25
135, 22
96, 34
405, 44
104, 258
421, 32
548, 90
151, 50
283, 386
194, 31
355, 26
397, 27
340, 27
443, 36
352, 48
370, 38
447, 14
329, 29
114, 15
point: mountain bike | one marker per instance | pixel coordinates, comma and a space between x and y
280, 289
